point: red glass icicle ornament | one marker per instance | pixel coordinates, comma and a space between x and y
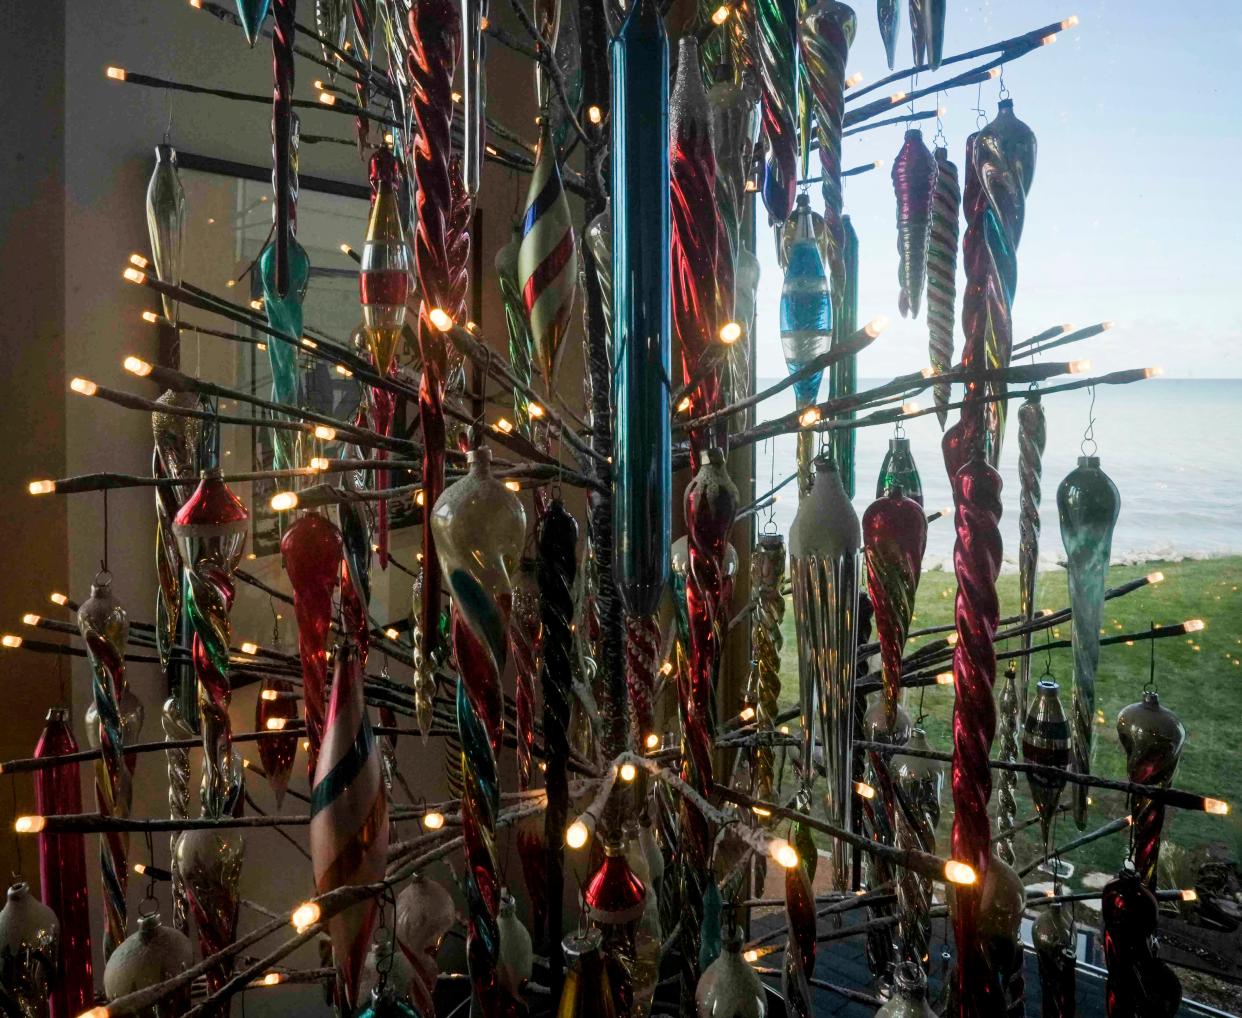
274, 709
1139, 983
312, 554
62, 868
914, 180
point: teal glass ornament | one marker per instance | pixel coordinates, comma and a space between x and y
252, 14
385, 1003
1087, 504
899, 471
641, 309
713, 925
806, 305
284, 314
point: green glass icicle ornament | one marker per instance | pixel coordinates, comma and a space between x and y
1087, 504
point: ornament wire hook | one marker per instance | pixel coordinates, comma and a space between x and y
1088, 436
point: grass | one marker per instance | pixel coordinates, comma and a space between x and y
1199, 677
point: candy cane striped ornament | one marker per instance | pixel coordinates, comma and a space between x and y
548, 256
349, 817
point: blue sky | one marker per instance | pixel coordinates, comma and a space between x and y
1136, 208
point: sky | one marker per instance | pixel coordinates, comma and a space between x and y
1135, 214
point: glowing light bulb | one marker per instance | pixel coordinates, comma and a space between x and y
721, 14
504, 425
257, 304
140, 869
252, 649
327, 98
58, 598
652, 741
84, 385
343, 371
456, 96
1190, 895
1217, 807
684, 405
877, 325
594, 114
535, 410
440, 319
138, 261
730, 333
29, 824
1153, 372
1047, 40
305, 916
41, 487
666, 668
944, 679
419, 497
864, 790
282, 501
896, 97
628, 772
150, 317
951, 639
761, 811
275, 724
115, 73
101, 1011
783, 853
746, 714
1193, 625
133, 275
854, 80
1079, 367
31, 619
959, 873
309, 343
809, 417
433, 821
324, 433
1070, 22
270, 695
577, 834
910, 409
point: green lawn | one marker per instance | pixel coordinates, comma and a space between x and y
1200, 678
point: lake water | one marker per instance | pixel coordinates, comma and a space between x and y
1173, 447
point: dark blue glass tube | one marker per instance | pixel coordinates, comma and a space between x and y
641, 313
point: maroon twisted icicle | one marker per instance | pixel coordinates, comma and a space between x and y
434, 39
914, 180
525, 644
976, 563
282, 116
363, 27
942, 275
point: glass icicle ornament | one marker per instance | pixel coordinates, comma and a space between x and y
824, 543
919, 782
521, 347
29, 951
914, 180
1153, 738
843, 376
114, 718
806, 323
909, 994
899, 471
479, 527
942, 252
887, 15
425, 914
211, 530
516, 959
1007, 780
384, 279
1032, 436
1055, 950
151, 955
349, 818
588, 991
312, 551
1139, 982
252, 13
729, 987
767, 575
275, 707
166, 221
1087, 504
209, 863
62, 867
1046, 741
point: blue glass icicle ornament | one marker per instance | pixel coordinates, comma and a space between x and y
284, 314
806, 304
252, 14
641, 310
1087, 504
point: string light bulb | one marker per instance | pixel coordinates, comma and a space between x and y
133, 275
1193, 625
594, 114
31, 619
440, 319
959, 873
628, 772
41, 487
652, 741
56, 597
854, 80
810, 416
864, 790
115, 73
730, 333
324, 433
319, 464
84, 386
535, 410
252, 649
327, 98
305, 916
751, 956
283, 501
276, 724
433, 820
783, 853
721, 14
944, 679
270, 695
1079, 367
1156, 577
747, 713
138, 261
150, 317
29, 824
137, 366
1217, 807
1070, 22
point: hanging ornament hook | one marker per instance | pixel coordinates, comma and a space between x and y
1088, 436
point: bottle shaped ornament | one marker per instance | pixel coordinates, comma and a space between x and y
909, 999
1046, 741
729, 987
588, 991
899, 471
1152, 737
384, 282
151, 955
29, 951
